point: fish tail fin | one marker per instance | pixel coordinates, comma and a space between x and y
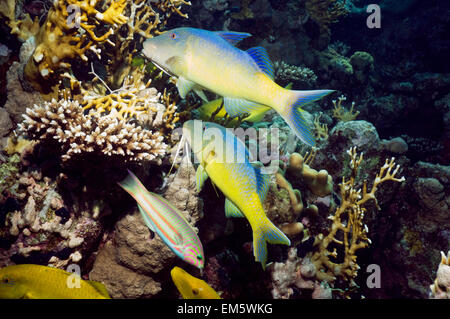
131, 184
268, 232
292, 112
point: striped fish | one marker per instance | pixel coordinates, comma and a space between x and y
167, 221
224, 158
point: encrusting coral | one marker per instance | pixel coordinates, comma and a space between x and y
347, 221
39, 225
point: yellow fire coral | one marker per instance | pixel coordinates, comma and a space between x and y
69, 32
348, 229
22, 28
340, 113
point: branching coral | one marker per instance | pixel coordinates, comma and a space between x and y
145, 19
75, 27
69, 32
64, 122
340, 113
320, 130
325, 12
441, 287
348, 229
24, 28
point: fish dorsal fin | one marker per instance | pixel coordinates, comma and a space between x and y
184, 86
200, 177
238, 106
99, 287
233, 37
231, 210
262, 183
260, 56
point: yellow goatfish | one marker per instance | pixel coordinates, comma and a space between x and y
191, 287
209, 60
41, 282
224, 158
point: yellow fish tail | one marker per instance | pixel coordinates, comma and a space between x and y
268, 232
291, 112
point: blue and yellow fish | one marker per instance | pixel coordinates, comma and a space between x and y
224, 158
209, 60
167, 221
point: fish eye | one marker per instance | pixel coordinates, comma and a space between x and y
173, 35
5, 280
199, 257
195, 291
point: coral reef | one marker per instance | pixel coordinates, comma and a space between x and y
65, 122
296, 273
348, 220
40, 227
61, 39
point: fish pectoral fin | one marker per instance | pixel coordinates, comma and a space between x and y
239, 106
232, 37
258, 115
260, 56
176, 64
99, 287
231, 210
184, 86
146, 218
199, 91
200, 177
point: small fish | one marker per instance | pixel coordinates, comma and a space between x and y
191, 287
203, 59
167, 221
41, 282
224, 158
207, 109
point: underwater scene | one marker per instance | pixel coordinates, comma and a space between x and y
224, 149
